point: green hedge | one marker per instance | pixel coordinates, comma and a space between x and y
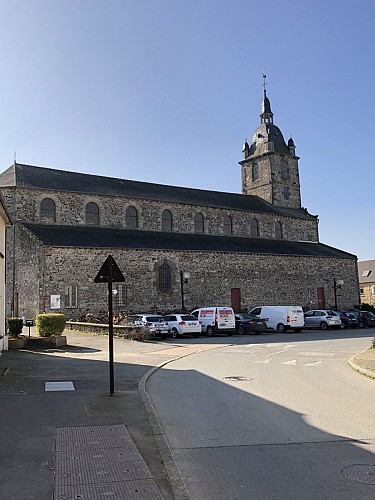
15, 326
50, 324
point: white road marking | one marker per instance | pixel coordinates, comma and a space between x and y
263, 361
293, 362
314, 363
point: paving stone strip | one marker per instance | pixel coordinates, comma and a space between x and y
100, 462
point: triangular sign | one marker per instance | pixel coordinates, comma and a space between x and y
103, 274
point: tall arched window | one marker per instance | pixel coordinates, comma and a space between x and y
165, 277
254, 228
278, 230
228, 226
48, 210
92, 214
198, 223
131, 217
255, 172
166, 220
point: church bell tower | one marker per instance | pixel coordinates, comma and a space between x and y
269, 165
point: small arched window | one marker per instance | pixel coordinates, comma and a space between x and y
255, 172
48, 210
131, 218
166, 220
254, 228
278, 230
165, 277
228, 226
198, 223
92, 214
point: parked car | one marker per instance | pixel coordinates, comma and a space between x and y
183, 324
348, 319
281, 318
323, 319
365, 318
154, 323
216, 320
248, 323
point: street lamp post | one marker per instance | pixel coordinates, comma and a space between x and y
337, 284
184, 277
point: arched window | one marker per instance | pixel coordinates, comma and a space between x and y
254, 228
198, 223
228, 227
255, 172
166, 221
278, 230
131, 217
92, 214
48, 210
165, 277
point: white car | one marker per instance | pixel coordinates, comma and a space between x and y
154, 323
183, 324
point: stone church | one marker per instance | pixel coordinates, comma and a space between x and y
176, 247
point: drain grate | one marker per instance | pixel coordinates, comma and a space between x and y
360, 473
238, 378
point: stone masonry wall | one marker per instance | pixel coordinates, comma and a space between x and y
262, 279
70, 209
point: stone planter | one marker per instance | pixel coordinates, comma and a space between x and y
37, 342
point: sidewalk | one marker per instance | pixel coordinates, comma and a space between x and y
364, 362
63, 436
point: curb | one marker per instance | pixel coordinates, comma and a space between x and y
357, 368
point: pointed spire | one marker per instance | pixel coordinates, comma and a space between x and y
266, 115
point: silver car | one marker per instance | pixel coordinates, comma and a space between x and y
154, 323
323, 319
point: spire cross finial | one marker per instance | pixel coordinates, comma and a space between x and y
264, 83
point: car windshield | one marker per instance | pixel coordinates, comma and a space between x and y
332, 313
154, 319
188, 318
246, 316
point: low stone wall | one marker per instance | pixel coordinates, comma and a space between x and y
123, 331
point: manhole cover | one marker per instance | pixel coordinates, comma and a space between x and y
360, 473
238, 378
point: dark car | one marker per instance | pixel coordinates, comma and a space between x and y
365, 318
348, 319
248, 323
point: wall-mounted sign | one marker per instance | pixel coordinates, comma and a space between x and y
55, 301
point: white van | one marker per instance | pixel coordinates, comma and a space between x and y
281, 318
216, 320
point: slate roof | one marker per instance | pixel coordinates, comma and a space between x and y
366, 271
100, 237
60, 180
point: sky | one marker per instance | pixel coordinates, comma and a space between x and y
166, 91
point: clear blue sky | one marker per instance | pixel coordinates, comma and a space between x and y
166, 91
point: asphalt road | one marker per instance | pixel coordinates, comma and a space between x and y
271, 416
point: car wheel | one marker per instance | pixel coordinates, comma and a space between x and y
210, 331
323, 325
280, 328
241, 330
174, 333
361, 324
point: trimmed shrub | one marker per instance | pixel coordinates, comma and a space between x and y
15, 326
368, 307
50, 324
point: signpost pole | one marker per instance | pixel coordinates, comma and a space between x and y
110, 331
